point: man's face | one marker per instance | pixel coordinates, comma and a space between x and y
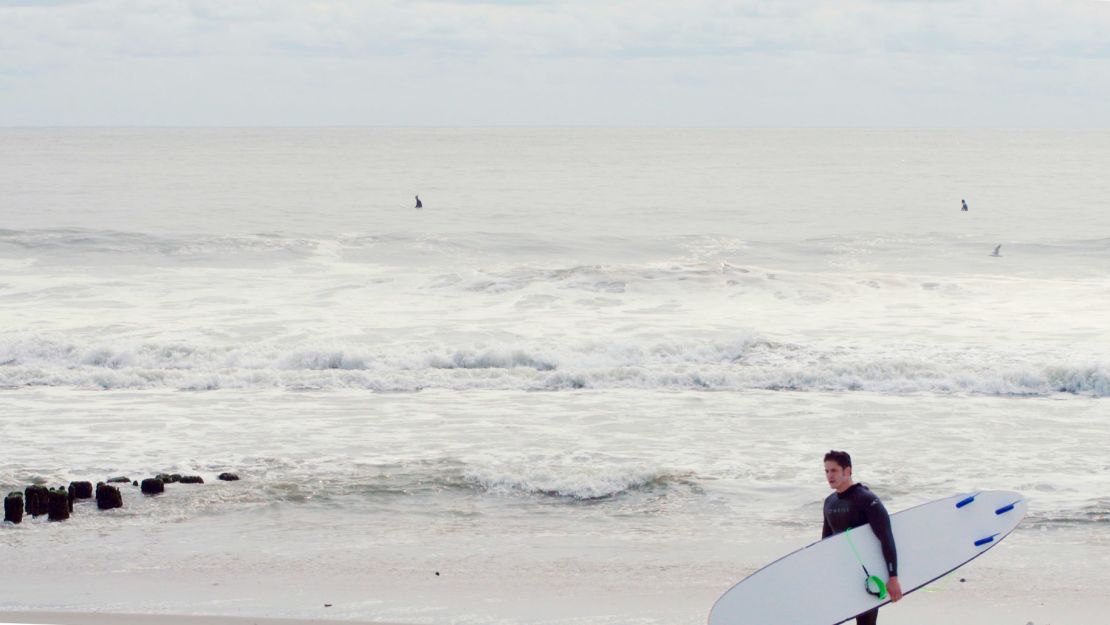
837, 476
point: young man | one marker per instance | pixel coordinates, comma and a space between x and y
854, 505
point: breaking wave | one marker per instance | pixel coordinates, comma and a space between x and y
745, 363
580, 485
122, 244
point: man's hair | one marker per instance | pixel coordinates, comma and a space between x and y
840, 457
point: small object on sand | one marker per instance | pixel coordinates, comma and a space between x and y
962, 579
437, 573
327, 605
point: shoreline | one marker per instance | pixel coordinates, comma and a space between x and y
54, 617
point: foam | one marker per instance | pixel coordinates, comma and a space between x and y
577, 484
745, 363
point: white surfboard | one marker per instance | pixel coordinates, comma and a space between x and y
824, 583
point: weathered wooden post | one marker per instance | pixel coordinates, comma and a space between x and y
59, 505
153, 486
82, 490
13, 507
108, 497
37, 499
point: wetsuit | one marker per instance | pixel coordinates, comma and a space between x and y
854, 508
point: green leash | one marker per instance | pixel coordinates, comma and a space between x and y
880, 586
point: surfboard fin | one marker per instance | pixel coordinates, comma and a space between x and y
966, 500
983, 541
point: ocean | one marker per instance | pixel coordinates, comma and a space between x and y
590, 381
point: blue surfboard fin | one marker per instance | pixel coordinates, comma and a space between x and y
966, 500
983, 541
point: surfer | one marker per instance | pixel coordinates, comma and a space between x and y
854, 505
996, 253
964, 207
419, 204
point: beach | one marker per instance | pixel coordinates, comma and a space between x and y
591, 380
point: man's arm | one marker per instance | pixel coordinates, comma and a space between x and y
826, 531
879, 520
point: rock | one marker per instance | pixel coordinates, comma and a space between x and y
192, 479
108, 497
227, 477
82, 490
153, 486
134, 482
118, 480
13, 507
37, 499
169, 479
59, 505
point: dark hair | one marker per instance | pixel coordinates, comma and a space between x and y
840, 457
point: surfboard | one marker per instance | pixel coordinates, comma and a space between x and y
824, 583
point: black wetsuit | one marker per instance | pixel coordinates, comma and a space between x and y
856, 507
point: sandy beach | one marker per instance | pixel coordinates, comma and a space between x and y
1029, 579
1057, 606
112, 618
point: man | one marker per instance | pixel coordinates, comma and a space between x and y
854, 505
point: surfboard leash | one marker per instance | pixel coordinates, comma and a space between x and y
880, 585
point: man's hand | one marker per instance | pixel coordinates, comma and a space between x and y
895, 589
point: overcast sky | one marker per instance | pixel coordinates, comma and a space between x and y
555, 62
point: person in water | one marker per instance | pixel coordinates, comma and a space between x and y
854, 505
964, 207
419, 204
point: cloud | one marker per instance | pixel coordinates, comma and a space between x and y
44, 4
761, 55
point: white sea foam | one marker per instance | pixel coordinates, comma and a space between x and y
743, 364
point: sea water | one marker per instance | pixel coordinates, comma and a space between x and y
590, 381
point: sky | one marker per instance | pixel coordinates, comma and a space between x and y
741, 63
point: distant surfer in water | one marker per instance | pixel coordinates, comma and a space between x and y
964, 207
419, 204
854, 505
996, 249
